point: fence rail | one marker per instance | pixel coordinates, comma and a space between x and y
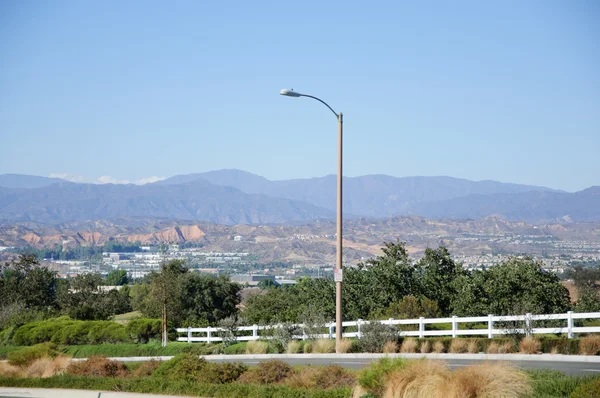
524, 324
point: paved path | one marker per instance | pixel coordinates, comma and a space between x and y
568, 364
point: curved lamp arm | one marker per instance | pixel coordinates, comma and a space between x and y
323, 102
292, 93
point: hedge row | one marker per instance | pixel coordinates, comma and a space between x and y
172, 387
65, 331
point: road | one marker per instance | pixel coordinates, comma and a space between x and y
567, 364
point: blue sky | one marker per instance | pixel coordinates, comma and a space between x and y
126, 91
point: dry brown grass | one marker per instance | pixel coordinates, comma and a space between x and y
321, 377
438, 347
530, 345
506, 348
9, 370
345, 345
590, 345
98, 366
425, 347
458, 346
487, 380
358, 391
409, 345
293, 347
493, 348
324, 346
473, 347
307, 348
419, 379
390, 347
554, 350
256, 347
46, 367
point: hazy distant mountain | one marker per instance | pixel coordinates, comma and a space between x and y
238, 197
197, 200
538, 207
26, 181
371, 195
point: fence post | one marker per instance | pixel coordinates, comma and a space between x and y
421, 327
454, 326
570, 324
528, 324
208, 334
189, 334
331, 331
254, 332
490, 326
358, 323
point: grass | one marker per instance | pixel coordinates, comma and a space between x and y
323, 346
123, 319
530, 345
256, 347
458, 346
390, 347
438, 347
345, 345
150, 385
409, 345
590, 345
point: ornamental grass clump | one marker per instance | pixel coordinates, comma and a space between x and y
590, 345
372, 378
425, 347
409, 345
530, 345
422, 378
257, 347
473, 347
438, 347
266, 372
390, 347
458, 346
345, 346
323, 346
487, 380
47, 367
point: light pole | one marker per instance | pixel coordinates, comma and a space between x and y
338, 254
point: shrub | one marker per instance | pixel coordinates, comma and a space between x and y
322, 377
324, 346
256, 347
266, 372
421, 378
183, 366
69, 332
27, 355
409, 345
372, 378
374, 335
589, 389
147, 368
223, 373
458, 346
530, 345
293, 347
487, 380
141, 330
98, 366
438, 347
390, 347
425, 347
345, 346
590, 345
473, 347
234, 349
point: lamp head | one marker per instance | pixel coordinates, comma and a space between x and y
289, 93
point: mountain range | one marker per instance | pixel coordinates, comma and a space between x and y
238, 197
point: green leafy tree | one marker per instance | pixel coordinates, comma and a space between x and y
25, 281
117, 277
437, 275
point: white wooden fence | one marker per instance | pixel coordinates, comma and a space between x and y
527, 326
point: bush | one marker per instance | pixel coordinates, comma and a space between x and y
237, 348
184, 366
322, 377
589, 389
47, 367
590, 345
147, 368
27, 355
266, 372
69, 332
223, 373
98, 366
374, 335
141, 330
548, 383
372, 378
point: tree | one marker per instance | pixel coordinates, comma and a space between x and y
266, 284
437, 274
117, 277
84, 299
165, 287
517, 286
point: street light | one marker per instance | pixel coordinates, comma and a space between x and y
338, 256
